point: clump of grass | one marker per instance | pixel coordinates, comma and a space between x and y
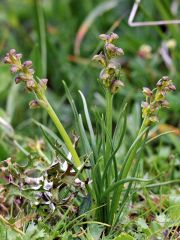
106, 174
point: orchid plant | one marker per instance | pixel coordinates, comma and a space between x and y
106, 175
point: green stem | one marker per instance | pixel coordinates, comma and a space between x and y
109, 100
61, 130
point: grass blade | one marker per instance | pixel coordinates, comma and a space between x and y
42, 35
93, 138
119, 143
85, 145
122, 181
99, 10
130, 184
124, 172
52, 134
78, 122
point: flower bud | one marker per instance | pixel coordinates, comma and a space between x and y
106, 82
111, 68
105, 79
34, 104
30, 84
114, 67
31, 71
113, 36
13, 58
172, 87
165, 78
144, 104
12, 51
113, 50
147, 92
165, 84
18, 56
157, 99
154, 118
165, 104
100, 58
109, 38
27, 63
119, 51
14, 69
159, 83
7, 60
116, 85
43, 83
25, 77
18, 80
104, 37
104, 75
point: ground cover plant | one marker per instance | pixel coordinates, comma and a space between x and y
44, 193
80, 183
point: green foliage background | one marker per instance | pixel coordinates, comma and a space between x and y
46, 31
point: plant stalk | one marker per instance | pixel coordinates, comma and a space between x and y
109, 100
61, 130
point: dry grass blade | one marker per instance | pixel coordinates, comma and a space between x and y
99, 10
